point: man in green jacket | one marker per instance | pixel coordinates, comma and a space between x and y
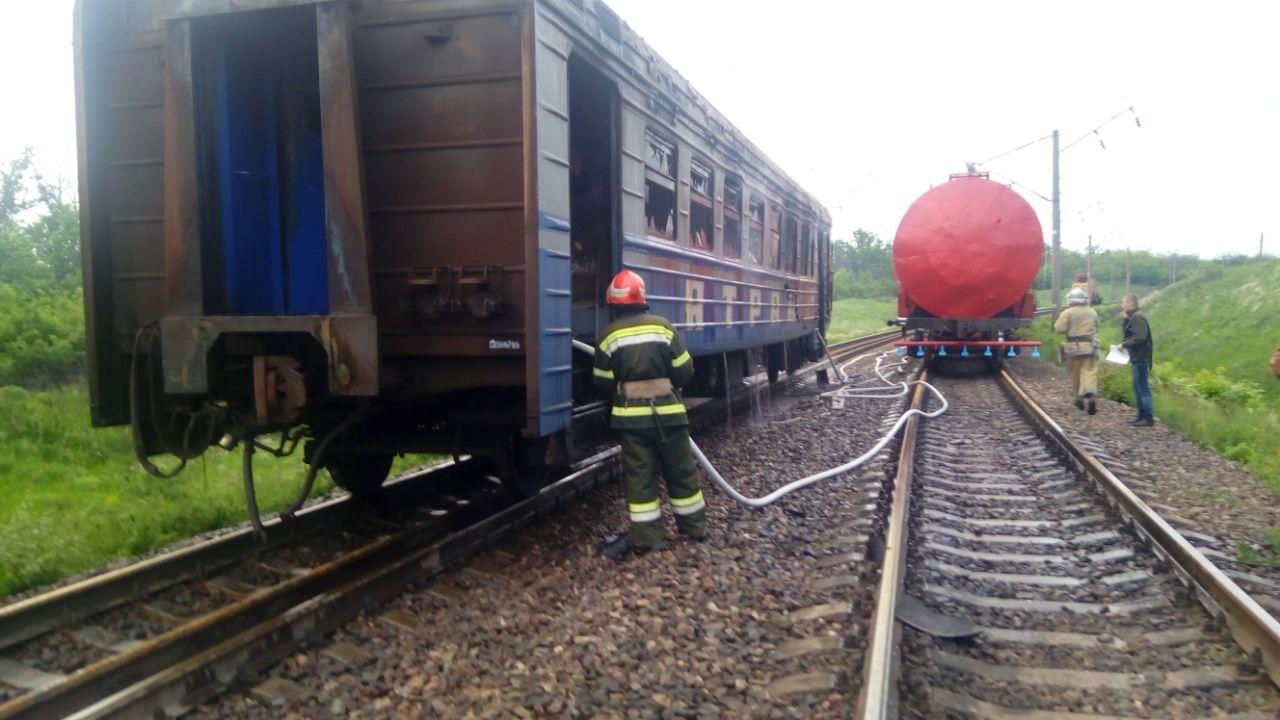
641, 363
1137, 340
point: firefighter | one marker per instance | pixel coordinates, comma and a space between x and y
640, 363
1079, 323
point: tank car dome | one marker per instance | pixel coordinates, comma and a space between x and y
968, 249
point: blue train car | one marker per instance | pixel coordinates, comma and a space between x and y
637, 170
376, 227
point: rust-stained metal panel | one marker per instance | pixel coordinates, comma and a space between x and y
345, 210
184, 288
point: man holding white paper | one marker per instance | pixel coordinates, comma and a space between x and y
1137, 340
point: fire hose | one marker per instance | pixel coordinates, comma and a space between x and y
889, 389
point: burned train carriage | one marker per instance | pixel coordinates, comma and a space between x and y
379, 225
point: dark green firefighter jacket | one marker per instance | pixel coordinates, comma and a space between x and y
640, 346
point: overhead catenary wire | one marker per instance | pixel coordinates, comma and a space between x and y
1023, 146
1103, 124
1031, 190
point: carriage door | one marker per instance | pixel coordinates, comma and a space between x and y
259, 99
593, 196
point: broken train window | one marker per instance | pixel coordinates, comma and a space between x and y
806, 249
790, 243
702, 216
755, 239
732, 216
773, 258
660, 185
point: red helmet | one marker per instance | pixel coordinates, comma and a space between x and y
627, 288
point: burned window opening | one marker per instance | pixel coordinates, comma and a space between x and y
806, 249
702, 217
660, 186
755, 238
732, 217
660, 154
790, 246
772, 255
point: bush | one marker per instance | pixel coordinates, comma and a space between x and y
41, 337
1212, 385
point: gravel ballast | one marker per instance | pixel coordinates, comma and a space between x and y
541, 626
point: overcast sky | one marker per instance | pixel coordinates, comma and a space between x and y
867, 104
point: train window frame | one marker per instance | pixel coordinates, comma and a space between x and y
755, 228
773, 236
702, 207
806, 248
821, 254
790, 253
660, 163
732, 209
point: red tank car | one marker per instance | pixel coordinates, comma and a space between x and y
965, 256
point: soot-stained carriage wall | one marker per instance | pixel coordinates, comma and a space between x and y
442, 116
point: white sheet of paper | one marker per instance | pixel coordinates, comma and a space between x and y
1118, 355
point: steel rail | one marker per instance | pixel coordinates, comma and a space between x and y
38, 614
196, 660
104, 677
180, 685
878, 698
1251, 626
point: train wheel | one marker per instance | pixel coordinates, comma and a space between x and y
527, 481
775, 359
524, 468
360, 474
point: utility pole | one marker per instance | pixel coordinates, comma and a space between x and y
1260, 236
1088, 261
1057, 234
1127, 253
1173, 268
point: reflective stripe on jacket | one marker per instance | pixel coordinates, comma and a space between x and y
642, 346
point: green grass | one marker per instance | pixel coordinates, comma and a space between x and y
1214, 335
855, 317
72, 498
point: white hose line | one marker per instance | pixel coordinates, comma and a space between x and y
865, 393
904, 388
826, 474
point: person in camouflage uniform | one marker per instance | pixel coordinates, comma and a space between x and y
640, 363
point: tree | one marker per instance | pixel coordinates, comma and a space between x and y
39, 230
869, 262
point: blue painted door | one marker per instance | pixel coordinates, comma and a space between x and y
269, 161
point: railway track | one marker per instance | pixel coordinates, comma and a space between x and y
167, 633
1022, 579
